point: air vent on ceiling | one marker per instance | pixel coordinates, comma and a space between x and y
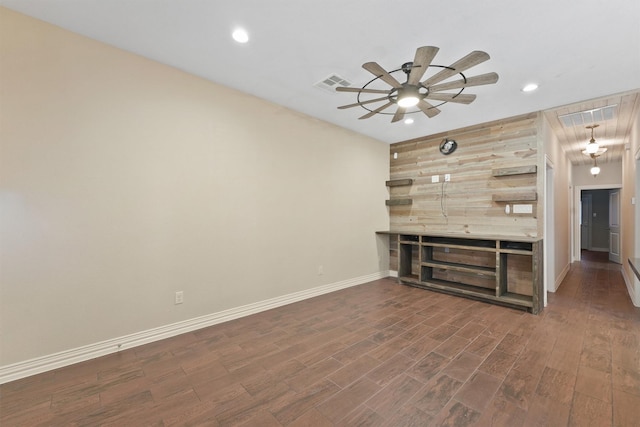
332, 81
587, 117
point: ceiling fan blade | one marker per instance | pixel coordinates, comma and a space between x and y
359, 89
369, 101
462, 98
482, 79
377, 110
427, 108
380, 72
399, 115
474, 58
422, 60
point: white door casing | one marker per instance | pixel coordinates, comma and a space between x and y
614, 226
585, 222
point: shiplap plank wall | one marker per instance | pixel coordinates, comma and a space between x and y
465, 204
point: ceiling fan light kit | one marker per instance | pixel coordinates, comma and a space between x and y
415, 95
407, 101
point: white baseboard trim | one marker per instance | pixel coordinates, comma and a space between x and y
561, 277
599, 249
635, 299
68, 357
393, 273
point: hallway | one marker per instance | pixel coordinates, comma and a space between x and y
598, 330
379, 354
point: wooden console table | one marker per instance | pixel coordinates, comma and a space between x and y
497, 269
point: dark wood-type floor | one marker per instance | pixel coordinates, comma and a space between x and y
379, 354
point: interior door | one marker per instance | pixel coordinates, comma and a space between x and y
585, 221
614, 226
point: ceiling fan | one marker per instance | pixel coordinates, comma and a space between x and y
414, 95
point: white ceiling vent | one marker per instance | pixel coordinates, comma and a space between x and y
332, 81
588, 117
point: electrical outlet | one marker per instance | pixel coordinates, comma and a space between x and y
447, 177
179, 297
320, 270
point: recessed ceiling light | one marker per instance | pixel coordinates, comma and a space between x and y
408, 121
530, 87
240, 35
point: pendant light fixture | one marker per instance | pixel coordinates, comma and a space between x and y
592, 146
595, 169
594, 151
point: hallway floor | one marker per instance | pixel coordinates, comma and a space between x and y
379, 354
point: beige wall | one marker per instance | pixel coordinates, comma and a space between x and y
123, 181
629, 212
558, 257
610, 174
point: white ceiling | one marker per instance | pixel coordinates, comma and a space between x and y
576, 50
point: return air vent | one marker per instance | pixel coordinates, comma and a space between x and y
332, 81
588, 117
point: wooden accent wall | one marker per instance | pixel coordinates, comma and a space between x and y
496, 164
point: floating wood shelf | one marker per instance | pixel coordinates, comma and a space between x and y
398, 202
399, 182
521, 170
515, 197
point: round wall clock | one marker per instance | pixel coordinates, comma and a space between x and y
448, 146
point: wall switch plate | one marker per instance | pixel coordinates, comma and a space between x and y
435, 178
522, 209
320, 270
179, 297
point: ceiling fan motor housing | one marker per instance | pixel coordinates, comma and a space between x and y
406, 67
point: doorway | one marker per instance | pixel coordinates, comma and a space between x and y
597, 221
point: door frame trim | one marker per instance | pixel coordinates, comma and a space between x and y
588, 197
575, 246
619, 226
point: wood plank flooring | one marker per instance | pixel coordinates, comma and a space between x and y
379, 354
